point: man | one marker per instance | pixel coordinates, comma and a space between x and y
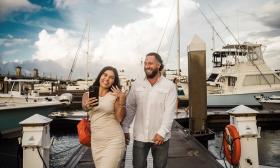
152, 101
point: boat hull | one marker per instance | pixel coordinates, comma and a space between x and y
10, 117
271, 105
232, 100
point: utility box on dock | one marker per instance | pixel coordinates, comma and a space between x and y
244, 119
36, 141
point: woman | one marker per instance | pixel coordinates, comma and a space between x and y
106, 114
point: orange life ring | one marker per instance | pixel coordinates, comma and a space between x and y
231, 143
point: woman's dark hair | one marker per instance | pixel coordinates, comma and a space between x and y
116, 80
158, 58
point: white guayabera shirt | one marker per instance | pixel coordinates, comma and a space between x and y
153, 107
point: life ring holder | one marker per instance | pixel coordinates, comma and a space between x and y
231, 144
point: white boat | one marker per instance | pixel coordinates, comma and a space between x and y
21, 102
79, 85
239, 74
269, 103
21, 93
44, 87
68, 115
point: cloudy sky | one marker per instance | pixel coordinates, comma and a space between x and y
46, 34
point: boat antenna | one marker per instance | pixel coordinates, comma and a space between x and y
212, 26
224, 24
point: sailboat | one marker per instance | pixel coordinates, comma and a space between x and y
175, 74
80, 85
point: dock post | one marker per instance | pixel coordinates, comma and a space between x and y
6, 86
197, 88
36, 141
244, 119
35, 73
18, 72
52, 84
59, 88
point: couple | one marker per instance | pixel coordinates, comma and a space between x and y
151, 101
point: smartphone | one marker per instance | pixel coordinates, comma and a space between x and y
94, 92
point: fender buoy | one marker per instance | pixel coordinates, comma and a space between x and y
231, 144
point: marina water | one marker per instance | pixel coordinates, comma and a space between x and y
66, 143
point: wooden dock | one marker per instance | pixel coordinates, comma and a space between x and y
218, 118
184, 151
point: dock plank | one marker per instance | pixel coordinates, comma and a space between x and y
184, 151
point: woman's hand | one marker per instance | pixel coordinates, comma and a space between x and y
119, 94
92, 102
88, 103
119, 104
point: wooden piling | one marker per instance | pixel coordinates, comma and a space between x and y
197, 85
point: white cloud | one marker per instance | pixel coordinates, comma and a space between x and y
273, 52
160, 9
122, 46
126, 45
271, 7
10, 52
269, 14
13, 42
65, 3
54, 46
61, 47
8, 6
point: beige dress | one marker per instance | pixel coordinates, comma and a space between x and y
107, 137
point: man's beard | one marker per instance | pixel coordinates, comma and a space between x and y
152, 74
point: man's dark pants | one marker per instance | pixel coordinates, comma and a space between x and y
141, 150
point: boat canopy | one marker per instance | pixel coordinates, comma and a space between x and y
21, 80
244, 46
228, 53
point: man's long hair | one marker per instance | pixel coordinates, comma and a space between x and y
158, 58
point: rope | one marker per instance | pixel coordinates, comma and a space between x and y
221, 151
45, 165
230, 142
165, 27
172, 39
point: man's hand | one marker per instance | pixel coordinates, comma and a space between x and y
127, 138
158, 140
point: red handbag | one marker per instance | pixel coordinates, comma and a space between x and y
83, 128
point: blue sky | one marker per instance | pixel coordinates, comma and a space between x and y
45, 34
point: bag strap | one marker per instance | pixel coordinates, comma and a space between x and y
87, 115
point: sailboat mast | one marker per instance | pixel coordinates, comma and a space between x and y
213, 39
87, 74
178, 34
